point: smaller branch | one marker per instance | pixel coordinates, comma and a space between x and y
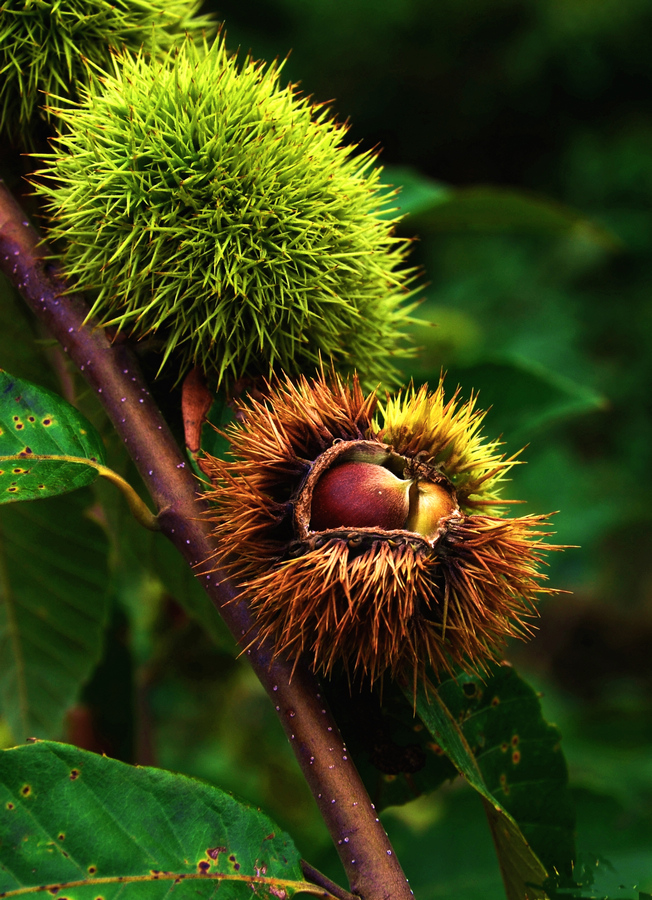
318, 878
139, 509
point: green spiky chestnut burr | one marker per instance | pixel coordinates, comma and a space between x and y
51, 48
199, 201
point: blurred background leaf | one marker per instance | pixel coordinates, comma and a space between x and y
55, 596
53, 587
433, 207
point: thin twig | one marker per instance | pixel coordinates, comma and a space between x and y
113, 373
318, 878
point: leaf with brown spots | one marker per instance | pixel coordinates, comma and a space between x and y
143, 828
46, 446
492, 729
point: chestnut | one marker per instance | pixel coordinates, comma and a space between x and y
362, 495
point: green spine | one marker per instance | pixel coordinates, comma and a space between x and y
198, 200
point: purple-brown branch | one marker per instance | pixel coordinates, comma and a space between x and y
111, 370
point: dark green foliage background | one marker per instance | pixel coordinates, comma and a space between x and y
551, 322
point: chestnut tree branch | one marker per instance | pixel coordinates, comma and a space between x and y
113, 373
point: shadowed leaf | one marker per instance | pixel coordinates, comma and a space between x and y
526, 396
493, 732
53, 607
435, 207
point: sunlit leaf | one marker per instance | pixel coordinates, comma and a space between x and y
88, 826
46, 446
53, 607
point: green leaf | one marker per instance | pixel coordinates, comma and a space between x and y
393, 752
21, 349
525, 396
162, 563
148, 567
434, 207
416, 193
86, 826
220, 415
180, 582
53, 607
213, 442
596, 879
493, 731
46, 446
